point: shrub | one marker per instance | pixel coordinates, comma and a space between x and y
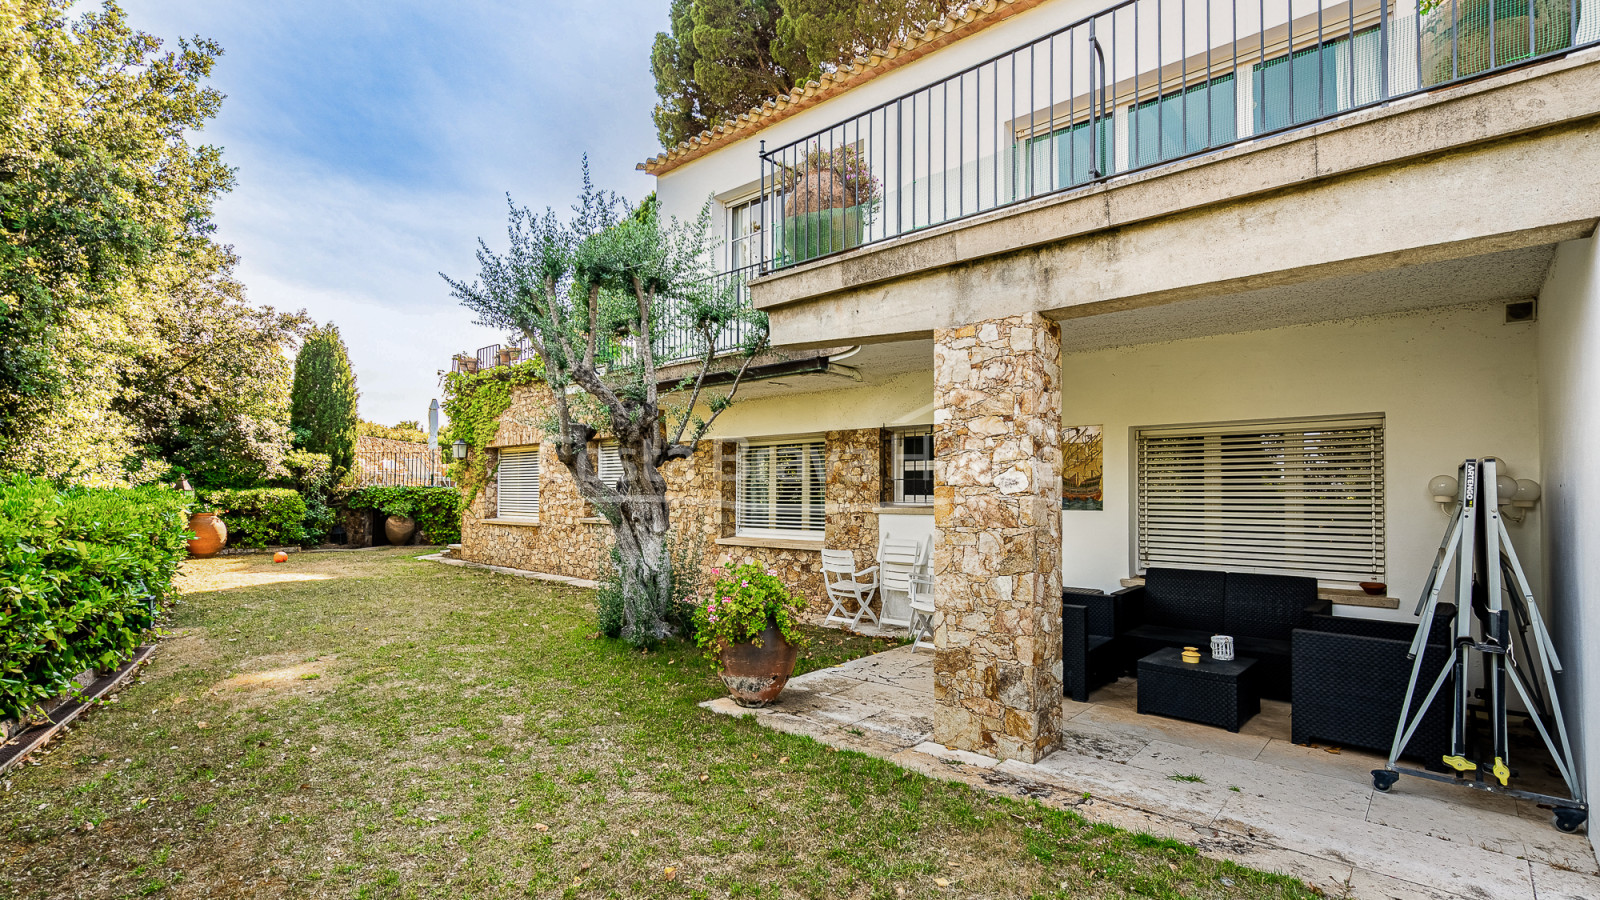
260, 517
83, 573
312, 475
684, 556
437, 510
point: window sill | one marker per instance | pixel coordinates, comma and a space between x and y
521, 523
1336, 596
907, 509
814, 545
593, 520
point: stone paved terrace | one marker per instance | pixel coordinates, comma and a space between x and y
1264, 802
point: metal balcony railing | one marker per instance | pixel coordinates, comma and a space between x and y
676, 341
1137, 85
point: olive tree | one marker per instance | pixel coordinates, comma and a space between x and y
633, 330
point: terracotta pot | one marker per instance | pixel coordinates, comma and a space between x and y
509, 356
210, 535
399, 529
755, 675
1456, 36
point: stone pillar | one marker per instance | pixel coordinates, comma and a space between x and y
997, 537
854, 489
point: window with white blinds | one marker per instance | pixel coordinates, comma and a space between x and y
1300, 497
781, 489
517, 484
610, 465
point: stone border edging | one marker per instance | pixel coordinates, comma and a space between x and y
14, 751
505, 570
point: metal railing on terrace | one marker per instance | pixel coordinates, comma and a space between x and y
676, 340
1134, 86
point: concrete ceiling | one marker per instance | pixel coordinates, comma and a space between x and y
1508, 275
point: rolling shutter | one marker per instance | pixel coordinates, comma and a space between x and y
517, 484
781, 489
1300, 497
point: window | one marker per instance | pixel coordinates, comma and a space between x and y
1317, 81
1295, 497
517, 484
744, 234
781, 490
1071, 154
1183, 122
912, 465
610, 464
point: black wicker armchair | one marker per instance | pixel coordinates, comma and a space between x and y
1350, 678
1089, 620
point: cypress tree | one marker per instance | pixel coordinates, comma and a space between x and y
322, 410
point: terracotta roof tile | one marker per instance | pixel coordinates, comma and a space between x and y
848, 75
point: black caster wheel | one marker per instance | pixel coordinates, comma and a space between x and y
1383, 779
1568, 820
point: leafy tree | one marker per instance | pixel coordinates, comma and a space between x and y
209, 393
590, 295
723, 57
814, 36
409, 430
101, 188
322, 410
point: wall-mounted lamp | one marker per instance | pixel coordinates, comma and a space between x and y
459, 449
1521, 494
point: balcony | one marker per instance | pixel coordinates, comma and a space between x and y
676, 340
1136, 86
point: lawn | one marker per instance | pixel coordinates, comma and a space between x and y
370, 725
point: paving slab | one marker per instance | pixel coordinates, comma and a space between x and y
1366, 884
1318, 793
1554, 883
1176, 731
1452, 867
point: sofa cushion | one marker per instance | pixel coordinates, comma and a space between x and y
1266, 606
1167, 636
1184, 598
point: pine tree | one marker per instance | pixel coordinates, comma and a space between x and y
322, 410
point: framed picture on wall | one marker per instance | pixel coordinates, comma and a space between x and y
1082, 467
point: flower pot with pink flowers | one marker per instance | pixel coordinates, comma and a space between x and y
748, 623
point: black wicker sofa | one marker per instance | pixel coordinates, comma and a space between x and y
1185, 607
1350, 678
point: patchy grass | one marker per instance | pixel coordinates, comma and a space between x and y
368, 725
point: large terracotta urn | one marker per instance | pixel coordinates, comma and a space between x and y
398, 529
211, 534
755, 675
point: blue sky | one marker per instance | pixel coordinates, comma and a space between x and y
375, 142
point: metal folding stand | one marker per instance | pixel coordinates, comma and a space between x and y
1490, 589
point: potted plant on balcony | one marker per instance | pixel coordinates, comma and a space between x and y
749, 626
829, 199
508, 355
465, 362
1456, 34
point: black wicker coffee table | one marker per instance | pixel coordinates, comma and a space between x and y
1210, 691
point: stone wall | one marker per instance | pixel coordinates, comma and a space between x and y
997, 543
570, 540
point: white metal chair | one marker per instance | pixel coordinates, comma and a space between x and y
842, 581
921, 611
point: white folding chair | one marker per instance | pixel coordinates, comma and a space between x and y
921, 611
895, 568
842, 581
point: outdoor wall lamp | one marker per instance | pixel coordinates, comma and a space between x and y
1521, 494
459, 449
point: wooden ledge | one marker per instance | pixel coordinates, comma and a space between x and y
771, 543
519, 523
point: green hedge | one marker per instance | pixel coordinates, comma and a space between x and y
259, 517
82, 574
437, 510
